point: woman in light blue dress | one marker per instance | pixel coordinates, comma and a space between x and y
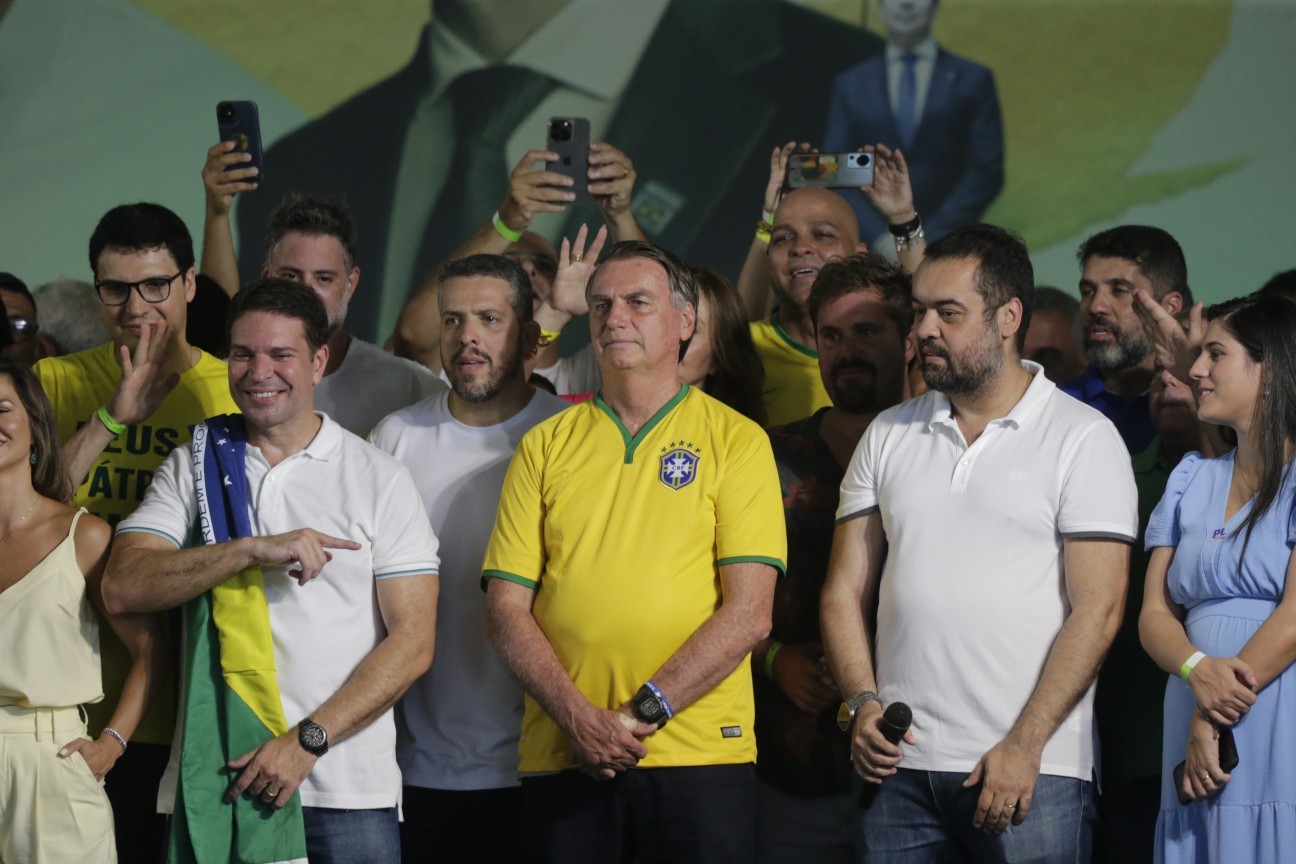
1215, 613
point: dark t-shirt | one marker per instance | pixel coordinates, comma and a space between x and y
802, 754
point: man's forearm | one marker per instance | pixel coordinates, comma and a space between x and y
150, 580
847, 642
218, 259
530, 659
375, 685
715, 649
1071, 667
854, 571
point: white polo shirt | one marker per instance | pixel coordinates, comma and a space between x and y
342, 486
973, 592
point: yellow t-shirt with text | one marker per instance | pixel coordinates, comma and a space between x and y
77, 384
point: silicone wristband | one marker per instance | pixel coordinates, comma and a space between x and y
1190, 664
109, 423
763, 236
548, 336
769, 658
670, 712
503, 230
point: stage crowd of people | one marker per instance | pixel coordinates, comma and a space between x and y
851, 557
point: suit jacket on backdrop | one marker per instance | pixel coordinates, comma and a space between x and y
718, 86
956, 159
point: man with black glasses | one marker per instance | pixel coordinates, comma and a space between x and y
121, 408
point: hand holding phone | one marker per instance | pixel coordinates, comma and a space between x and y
569, 137
830, 170
1228, 760
240, 122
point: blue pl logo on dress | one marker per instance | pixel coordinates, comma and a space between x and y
678, 465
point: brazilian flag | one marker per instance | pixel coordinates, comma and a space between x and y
232, 703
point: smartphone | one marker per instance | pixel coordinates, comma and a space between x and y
569, 137
1228, 760
830, 170
241, 123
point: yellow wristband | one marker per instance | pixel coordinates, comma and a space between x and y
763, 236
548, 336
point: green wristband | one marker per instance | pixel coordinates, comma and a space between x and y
769, 658
1191, 663
503, 230
109, 423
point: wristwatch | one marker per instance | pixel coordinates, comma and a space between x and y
650, 707
846, 713
312, 737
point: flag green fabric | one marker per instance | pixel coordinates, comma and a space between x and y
232, 703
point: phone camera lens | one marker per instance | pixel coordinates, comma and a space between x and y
560, 130
225, 112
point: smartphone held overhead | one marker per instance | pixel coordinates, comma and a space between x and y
569, 137
241, 123
830, 170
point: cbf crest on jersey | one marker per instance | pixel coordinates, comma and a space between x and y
679, 464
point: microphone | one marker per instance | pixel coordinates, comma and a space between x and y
896, 720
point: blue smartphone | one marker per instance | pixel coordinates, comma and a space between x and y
241, 123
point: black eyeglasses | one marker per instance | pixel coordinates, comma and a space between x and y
153, 290
22, 328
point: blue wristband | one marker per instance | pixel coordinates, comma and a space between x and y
670, 712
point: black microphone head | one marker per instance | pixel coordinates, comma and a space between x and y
896, 720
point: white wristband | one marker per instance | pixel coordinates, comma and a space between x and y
1190, 664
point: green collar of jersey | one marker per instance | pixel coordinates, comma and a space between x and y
633, 441
792, 343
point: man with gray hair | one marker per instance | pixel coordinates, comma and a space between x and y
69, 316
630, 572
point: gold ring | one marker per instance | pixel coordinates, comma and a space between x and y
577, 258
1010, 806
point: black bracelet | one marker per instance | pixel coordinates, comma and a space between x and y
906, 228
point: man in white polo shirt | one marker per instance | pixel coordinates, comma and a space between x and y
458, 726
989, 520
309, 605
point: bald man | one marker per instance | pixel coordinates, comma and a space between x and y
811, 227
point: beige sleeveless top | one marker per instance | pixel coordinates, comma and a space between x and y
49, 634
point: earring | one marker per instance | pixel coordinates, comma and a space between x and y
34, 459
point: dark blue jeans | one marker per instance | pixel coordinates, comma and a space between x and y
926, 816
352, 836
704, 814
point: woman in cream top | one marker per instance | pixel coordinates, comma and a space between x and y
52, 804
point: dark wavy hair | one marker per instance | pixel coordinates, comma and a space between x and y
48, 475
1265, 325
739, 376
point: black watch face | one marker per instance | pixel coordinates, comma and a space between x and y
650, 709
313, 737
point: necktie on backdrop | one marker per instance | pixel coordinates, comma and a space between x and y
907, 103
488, 105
